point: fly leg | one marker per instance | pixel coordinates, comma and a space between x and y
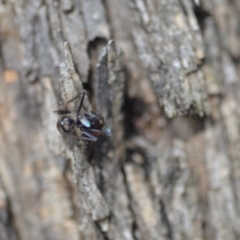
65, 110
88, 136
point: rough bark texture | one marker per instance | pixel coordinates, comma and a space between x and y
167, 163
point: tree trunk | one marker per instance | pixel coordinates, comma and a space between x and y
166, 165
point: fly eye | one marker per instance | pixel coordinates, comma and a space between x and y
67, 124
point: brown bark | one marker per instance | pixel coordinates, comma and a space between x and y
167, 163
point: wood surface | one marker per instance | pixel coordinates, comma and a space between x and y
165, 76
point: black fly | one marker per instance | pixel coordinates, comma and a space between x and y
89, 123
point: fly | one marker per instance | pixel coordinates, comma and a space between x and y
90, 124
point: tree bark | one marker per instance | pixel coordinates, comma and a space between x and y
165, 77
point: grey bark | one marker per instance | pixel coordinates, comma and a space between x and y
166, 165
